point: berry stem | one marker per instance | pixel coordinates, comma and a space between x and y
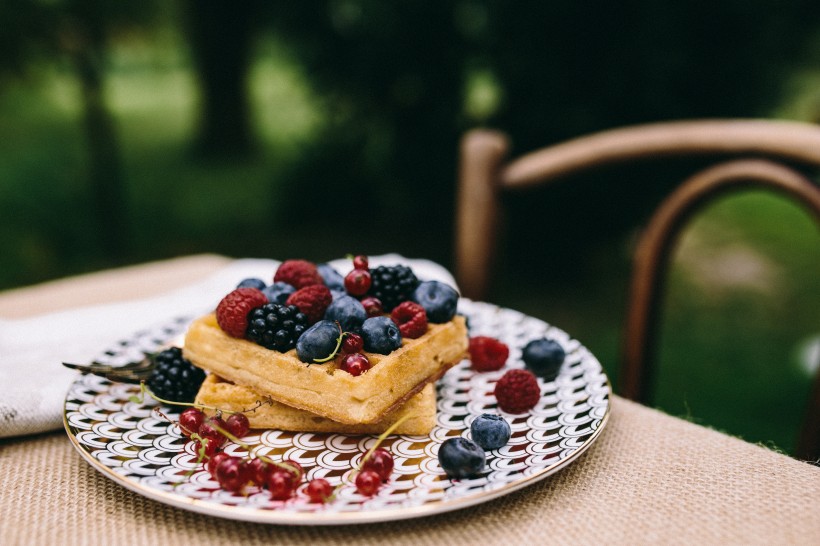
380, 439
335, 351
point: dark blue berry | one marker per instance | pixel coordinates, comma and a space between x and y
251, 282
490, 431
278, 292
275, 326
461, 458
332, 278
544, 357
380, 335
438, 299
348, 311
318, 342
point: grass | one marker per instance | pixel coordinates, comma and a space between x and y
743, 301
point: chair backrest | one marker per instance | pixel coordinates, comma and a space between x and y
763, 152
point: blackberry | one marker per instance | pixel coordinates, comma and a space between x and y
175, 378
392, 285
275, 326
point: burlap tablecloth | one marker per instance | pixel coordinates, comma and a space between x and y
649, 479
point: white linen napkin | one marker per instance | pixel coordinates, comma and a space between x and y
34, 382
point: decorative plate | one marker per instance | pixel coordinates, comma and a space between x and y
141, 451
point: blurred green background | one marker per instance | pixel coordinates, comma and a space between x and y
139, 131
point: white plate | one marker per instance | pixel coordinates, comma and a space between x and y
136, 448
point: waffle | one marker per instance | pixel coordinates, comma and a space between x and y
323, 389
270, 414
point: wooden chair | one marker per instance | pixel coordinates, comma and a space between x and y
762, 154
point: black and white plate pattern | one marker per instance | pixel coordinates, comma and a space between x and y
138, 449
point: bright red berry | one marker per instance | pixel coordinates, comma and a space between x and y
319, 490
281, 484
368, 482
232, 311
258, 471
360, 262
411, 319
231, 473
380, 462
190, 420
488, 354
298, 273
312, 300
353, 343
357, 282
210, 429
214, 460
517, 391
205, 448
237, 424
355, 364
372, 306
295, 469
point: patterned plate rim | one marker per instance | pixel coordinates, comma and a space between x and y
272, 516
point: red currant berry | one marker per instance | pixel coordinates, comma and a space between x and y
205, 448
237, 424
380, 462
357, 282
355, 364
353, 343
281, 484
372, 306
190, 420
231, 473
295, 470
210, 429
360, 262
214, 460
368, 483
319, 490
258, 470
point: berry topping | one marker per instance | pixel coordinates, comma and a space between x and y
190, 420
332, 278
372, 306
461, 458
276, 326
175, 378
380, 462
517, 391
319, 343
231, 474
357, 282
298, 273
544, 357
232, 312
312, 301
487, 354
368, 482
411, 319
353, 343
380, 335
438, 299
392, 284
347, 311
360, 262
355, 364
237, 424
251, 282
490, 431
278, 292
319, 490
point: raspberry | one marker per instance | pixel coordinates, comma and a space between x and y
232, 311
298, 273
488, 354
517, 391
312, 300
411, 319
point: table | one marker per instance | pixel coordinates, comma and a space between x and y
649, 479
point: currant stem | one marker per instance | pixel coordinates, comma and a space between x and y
380, 439
336, 350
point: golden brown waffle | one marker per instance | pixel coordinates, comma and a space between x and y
323, 389
420, 411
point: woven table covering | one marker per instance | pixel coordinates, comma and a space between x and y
648, 479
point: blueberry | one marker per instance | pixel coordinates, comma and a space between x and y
461, 458
318, 342
251, 282
380, 335
490, 431
278, 292
333, 279
438, 299
348, 311
544, 357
